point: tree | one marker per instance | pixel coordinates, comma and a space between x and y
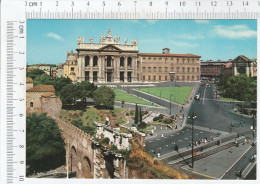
104, 95
71, 93
59, 83
88, 90
142, 125
88, 129
140, 114
34, 73
44, 144
136, 114
43, 79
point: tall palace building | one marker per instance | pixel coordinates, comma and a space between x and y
111, 62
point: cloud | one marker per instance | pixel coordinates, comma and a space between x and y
152, 21
202, 21
190, 36
184, 44
234, 32
54, 36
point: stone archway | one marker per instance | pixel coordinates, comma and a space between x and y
86, 168
73, 159
109, 166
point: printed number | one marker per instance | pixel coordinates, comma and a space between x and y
104, 3
57, 3
22, 162
197, 3
118, 4
182, 3
21, 99
229, 3
166, 3
150, 3
21, 115
21, 146
135, 2
245, 3
21, 178
72, 3
21, 52
214, 3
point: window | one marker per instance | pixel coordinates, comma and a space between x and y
183, 60
172, 60
86, 61
143, 77
198, 77
149, 69
154, 77
31, 104
192, 78
94, 76
178, 78
192, 70
166, 69
183, 77
177, 60
144, 59
160, 69
109, 61
154, 69
166, 60
192, 60
72, 69
198, 69
171, 69
188, 77
129, 62
165, 77
149, 60
177, 69
86, 76
188, 60
183, 69
154, 59
160, 78
143, 69
95, 60
160, 60
188, 69
122, 59
149, 77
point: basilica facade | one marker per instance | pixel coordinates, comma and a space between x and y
107, 61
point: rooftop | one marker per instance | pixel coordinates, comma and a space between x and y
167, 55
29, 80
42, 88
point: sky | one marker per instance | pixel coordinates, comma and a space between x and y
49, 40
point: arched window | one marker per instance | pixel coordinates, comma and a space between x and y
109, 61
95, 60
129, 62
188, 69
192, 69
86, 61
183, 69
31, 104
122, 59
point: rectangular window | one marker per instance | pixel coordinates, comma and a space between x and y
144, 59
160, 60
166, 69
143, 69
192, 60
154, 59
178, 78
160, 69
188, 60
149, 60
149, 69
166, 60
149, 77
86, 76
143, 77
183, 60
171, 69
192, 69
95, 77
172, 60
177, 60
165, 78
198, 78
154, 69
72, 69
154, 77
198, 69
183, 77
160, 78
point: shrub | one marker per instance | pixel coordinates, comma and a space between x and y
105, 141
156, 118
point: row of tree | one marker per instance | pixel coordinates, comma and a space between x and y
239, 87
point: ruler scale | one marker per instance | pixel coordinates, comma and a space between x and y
13, 54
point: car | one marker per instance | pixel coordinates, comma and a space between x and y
197, 97
202, 84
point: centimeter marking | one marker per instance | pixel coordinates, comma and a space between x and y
145, 9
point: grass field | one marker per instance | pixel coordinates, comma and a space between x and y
120, 96
179, 94
227, 99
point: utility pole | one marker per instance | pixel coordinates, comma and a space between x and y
192, 138
171, 104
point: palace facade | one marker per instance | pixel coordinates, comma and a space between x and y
111, 62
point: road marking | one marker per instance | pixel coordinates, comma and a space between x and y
215, 131
186, 138
180, 140
204, 96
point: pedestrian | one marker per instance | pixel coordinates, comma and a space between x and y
158, 154
202, 140
161, 128
205, 141
199, 141
196, 143
162, 136
211, 138
176, 127
188, 145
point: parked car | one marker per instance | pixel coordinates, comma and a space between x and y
197, 97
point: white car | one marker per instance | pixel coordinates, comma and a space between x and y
197, 97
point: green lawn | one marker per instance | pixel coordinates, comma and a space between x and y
120, 96
148, 127
227, 99
179, 94
117, 110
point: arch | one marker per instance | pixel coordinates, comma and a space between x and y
86, 167
73, 159
129, 62
31, 104
109, 61
122, 60
109, 166
95, 61
87, 61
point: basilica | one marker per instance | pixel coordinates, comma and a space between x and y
110, 61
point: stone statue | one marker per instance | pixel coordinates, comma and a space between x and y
126, 41
91, 40
83, 40
118, 38
79, 40
134, 42
115, 39
101, 38
109, 32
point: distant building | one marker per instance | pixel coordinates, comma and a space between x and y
29, 82
228, 68
156, 67
243, 65
212, 69
59, 70
70, 68
42, 99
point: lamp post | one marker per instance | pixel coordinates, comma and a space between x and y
192, 138
171, 104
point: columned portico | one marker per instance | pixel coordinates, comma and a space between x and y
109, 53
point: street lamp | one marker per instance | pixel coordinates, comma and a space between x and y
171, 104
192, 138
